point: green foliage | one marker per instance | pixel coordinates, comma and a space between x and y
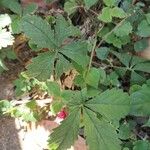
99, 41
140, 101
108, 14
4, 106
113, 104
89, 3
144, 145
109, 105
41, 66
140, 45
123, 30
109, 2
13, 5
70, 6
102, 52
144, 29
37, 29
99, 133
93, 77
65, 135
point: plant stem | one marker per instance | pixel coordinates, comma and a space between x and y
92, 54
103, 39
105, 36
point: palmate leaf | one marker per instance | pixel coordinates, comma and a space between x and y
100, 135
62, 65
93, 77
62, 30
112, 104
145, 67
67, 133
41, 67
41, 34
76, 51
140, 102
39, 31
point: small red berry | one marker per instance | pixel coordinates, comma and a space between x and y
62, 114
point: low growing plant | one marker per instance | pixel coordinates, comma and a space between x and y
111, 82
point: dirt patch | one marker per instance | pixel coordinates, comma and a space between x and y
8, 134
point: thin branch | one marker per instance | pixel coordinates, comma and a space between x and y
92, 54
105, 36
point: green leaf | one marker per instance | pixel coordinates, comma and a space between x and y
93, 77
109, 2
21, 86
30, 9
112, 79
118, 12
147, 124
62, 65
32, 104
123, 29
145, 67
77, 51
106, 15
89, 3
140, 102
123, 57
136, 78
39, 31
9, 53
102, 52
103, 31
13, 5
124, 131
117, 41
70, 6
144, 29
5, 105
67, 133
140, 45
56, 107
79, 81
16, 25
61, 30
148, 17
53, 88
100, 135
41, 67
141, 145
112, 104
